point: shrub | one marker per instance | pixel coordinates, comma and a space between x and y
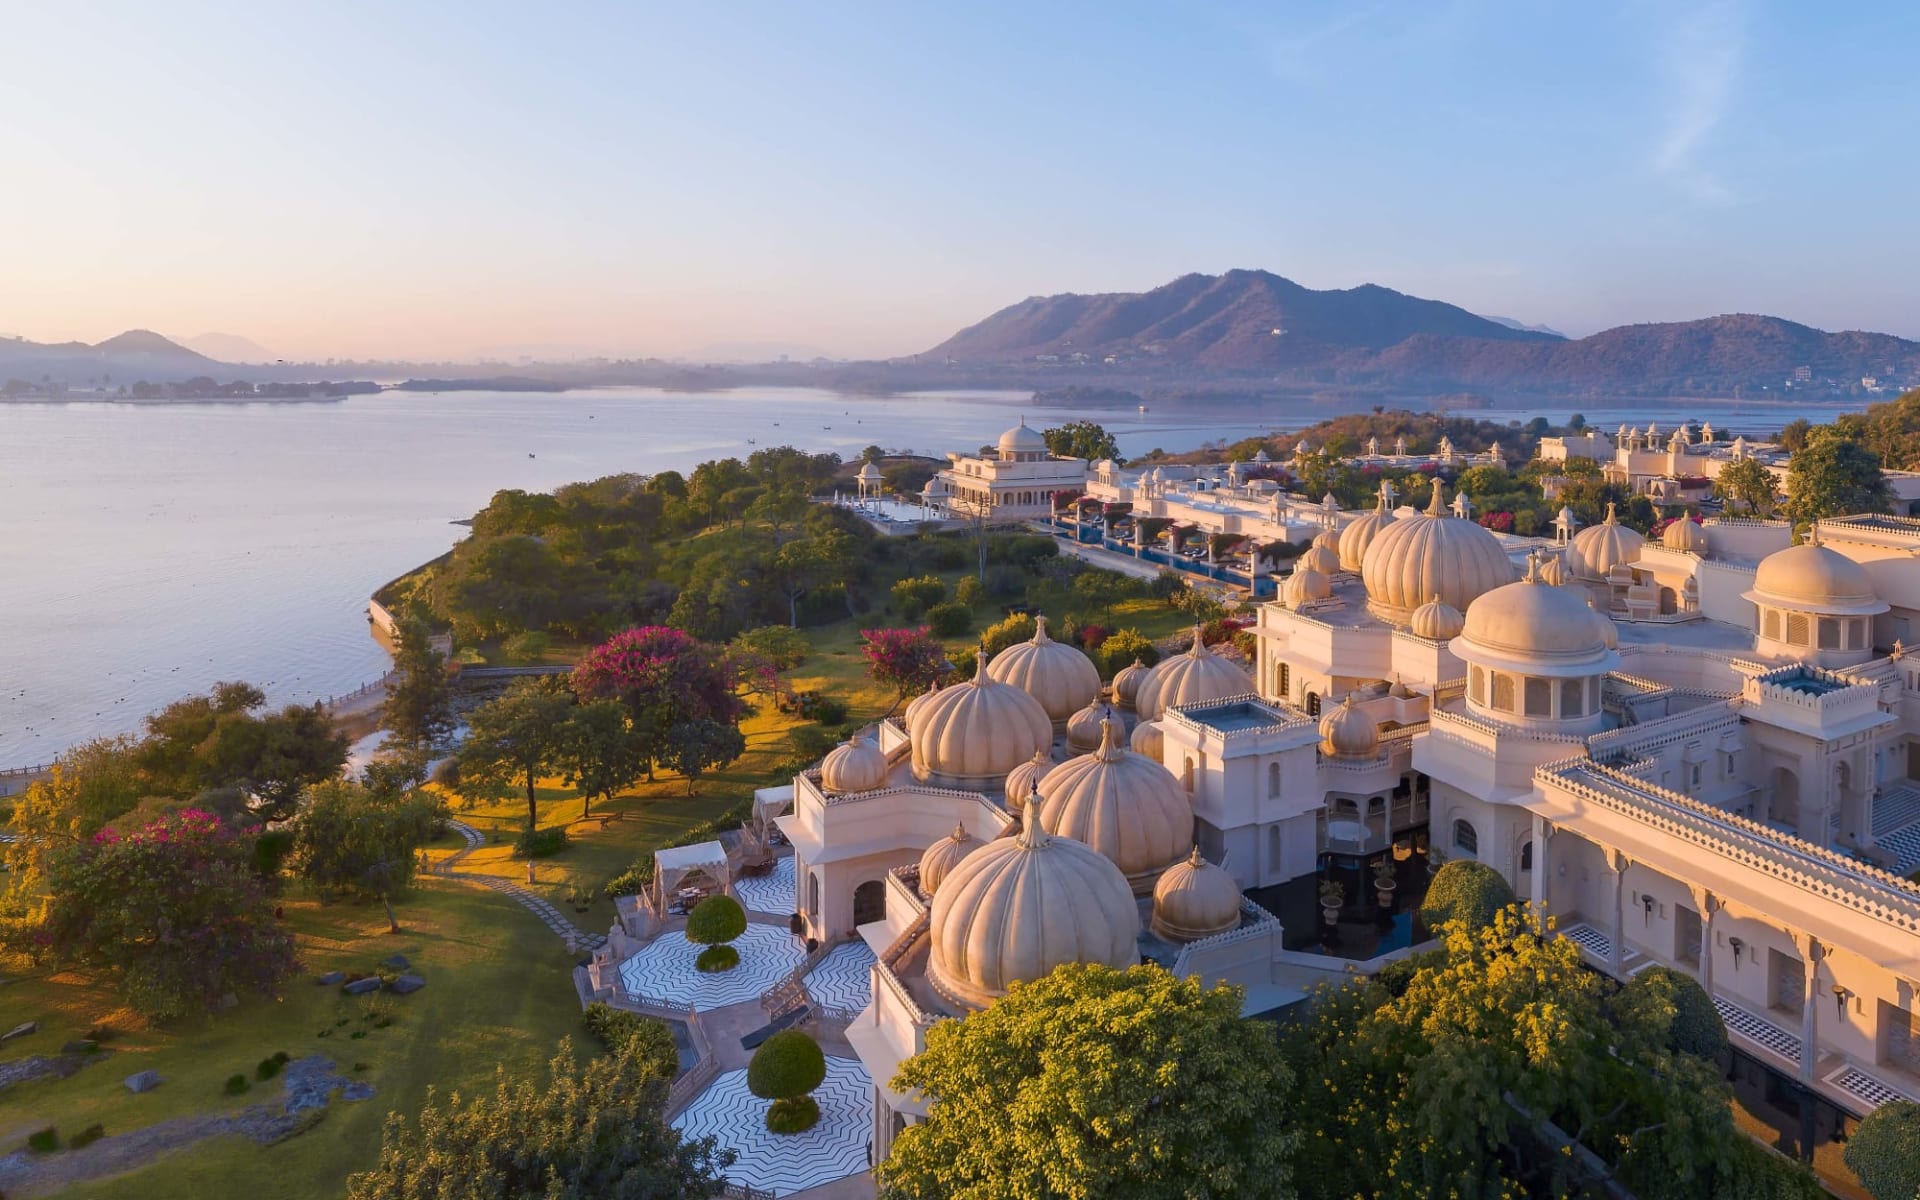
540, 843
44, 1141
1010, 632
785, 1068
716, 921
914, 596
1091, 637
632, 881
793, 1116
614, 1028
964, 661
1696, 1027
87, 1136
1122, 647
782, 647
1885, 1151
1464, 890
950, 619
1216, 631
237, 1084
818, 706
527, 647
715, 959
270, 849
268, 1068
969, 591
1003, 582
1247, 643
1021, 549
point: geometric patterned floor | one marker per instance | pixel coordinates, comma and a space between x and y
1761, 1030
1590, 939
843, 979
663, 969
1871, 1089
771, 893
788, 1163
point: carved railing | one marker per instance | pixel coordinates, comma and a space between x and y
1262, 924
1191, 717
1441, 719
791, 992
1666, 731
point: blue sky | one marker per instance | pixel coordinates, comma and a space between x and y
439, 180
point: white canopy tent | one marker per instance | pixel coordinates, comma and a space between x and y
675, 863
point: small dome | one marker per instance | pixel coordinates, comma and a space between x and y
1685, 537
1126, 683
1553, 570
1811, 578
1347, 732
1327, 539
1307, 585
972, 734
1125, 805
917, 705
936, 487
868, 473
1083, 727
1022, 440
1056, 674
1436, 621
1023, 779
1018, 907
1319, 558
1148, 740
856, 765
943, 856
1195, 677
1359, 534
1534, 629
1598, 549
1195, 899
1433, 555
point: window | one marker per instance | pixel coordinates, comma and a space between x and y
1477, 685
1694, 774
1573, 697
1503, 691
1526, 855
1187, 775
1829, 633
1770, 624
1539, 694
1280, 681
1273, 780
1797, 630
1273, 847
1465, 838
1686, 935
1313, 704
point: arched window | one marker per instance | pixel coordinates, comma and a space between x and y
1273, 780
1573, 697
1829, 633
1770, 624
1503, 691
1187, 775
1280, 681
813, 894
1539, 694
1313, 704
1466, 839
1526, 855
1273, 847
1797, 630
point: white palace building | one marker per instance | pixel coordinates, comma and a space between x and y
1701, 751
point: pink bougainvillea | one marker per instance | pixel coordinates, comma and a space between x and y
906, 660
658, 666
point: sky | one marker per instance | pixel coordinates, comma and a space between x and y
441, 181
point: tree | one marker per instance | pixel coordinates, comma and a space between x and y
1885, 1151
694, 747
906, 661
785, 1069
1693, 1023
914, 595
1125, 647
1748, 484
583, 1132
1081, 439
1096, 1082
713, 923
780, 647
663, 676
91, 785
513, 740
419, 708
174, 910
800, 566
1794, 434
217, 741
1464, 890
600, 752
350, 838
1834, 476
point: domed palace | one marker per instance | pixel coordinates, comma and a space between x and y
1018, 480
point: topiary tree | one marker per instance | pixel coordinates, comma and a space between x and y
1885, 1151
1683, 1006
785, 1069
1464, 890
713, 923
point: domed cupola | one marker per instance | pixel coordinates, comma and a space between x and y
1598, 549
1684, 536
972, 734
1195, 677
1359, 534
1018, 907
1125, 805
943, 856
1025, 778
1148, 740
1083, 728
1436, 621
1553, 570
1307, 585
1347, 732
1021, 444
1815, 605
1126, 684
1433, 555
1056, 674
1195, 899
1327, 539
856, 765
1535, 655
1322, 559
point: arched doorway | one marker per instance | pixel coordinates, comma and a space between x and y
1783, 798
869, 902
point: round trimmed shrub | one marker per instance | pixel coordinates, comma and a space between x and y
785, 1068
716, 920
1885, 1151
950, 619
715, 959
1464, 890
237, 1084
1696, 1028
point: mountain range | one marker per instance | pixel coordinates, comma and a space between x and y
1255, 322
135, 354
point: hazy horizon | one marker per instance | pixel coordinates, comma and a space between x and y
457, 182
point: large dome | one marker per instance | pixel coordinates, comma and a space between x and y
1194, 677
856, 765
1319, 558
1125, 805
1428, 556
1811, 578
972, 734
1127, 681
1061, 678
1598, 549
1533, 628
1022, 440
943, 856
1359, 534
1018, 907
1195, 899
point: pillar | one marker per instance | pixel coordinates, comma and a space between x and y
1709, 905
1539, 881
1617, 869
1810, 954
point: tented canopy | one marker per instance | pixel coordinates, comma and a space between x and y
675, 863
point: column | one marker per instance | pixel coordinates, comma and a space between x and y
1539, 896
1708, 904
1810, 955
1617, 869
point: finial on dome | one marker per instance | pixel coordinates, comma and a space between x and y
1040, 631
1109, 749
1813, 534
1611, 519
1194, 859
959, 831
1199, 646
1437, 506
980, 663
1033, 835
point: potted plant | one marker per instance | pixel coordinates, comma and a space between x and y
1333, 896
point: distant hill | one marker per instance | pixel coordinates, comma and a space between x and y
1509, 322
127, 357
228, 348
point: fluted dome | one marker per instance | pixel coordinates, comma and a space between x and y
1307, 585
1318, 558
1437, 621
1056, 674
1531, 628
1194, 677
1359, 534
1083, 727
1327, 539
1023, 779
1195, 899
1127, 681
1811, 578
943, 856
1022, 440
1148, 740
1018, 907
856, 765
1598, 549
917, 705
972, 734
1553, 570
1125, 805
1347, 732
1428, 556
1685, 537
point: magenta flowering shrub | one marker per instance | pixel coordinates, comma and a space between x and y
658, 667
905, 660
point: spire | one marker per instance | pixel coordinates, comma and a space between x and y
980, 664
1194, 859
1437, 507
1040, 637
959, 832
1109, 750
1612, 518
1032, 835
1199, 646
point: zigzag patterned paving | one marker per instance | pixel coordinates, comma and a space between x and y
772, 894
843, 978
1896, 808
664, 968
833, 1149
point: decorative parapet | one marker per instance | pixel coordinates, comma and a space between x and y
1189, 717
1814, 869
1747, 666
1846, 696
1633, 741
1460, 727
1261, 924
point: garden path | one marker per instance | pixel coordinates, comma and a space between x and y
576, 938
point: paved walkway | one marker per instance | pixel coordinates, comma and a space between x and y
576, 938
771, 893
